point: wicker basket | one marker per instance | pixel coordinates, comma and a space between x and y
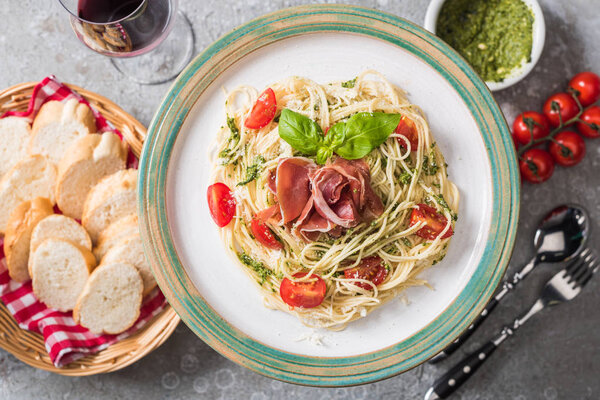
29, 346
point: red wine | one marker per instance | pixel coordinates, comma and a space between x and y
140, 23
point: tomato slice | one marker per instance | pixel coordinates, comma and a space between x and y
307, 294
407, 129
435, 222
264, 235
263, 111
371, 269
221, 203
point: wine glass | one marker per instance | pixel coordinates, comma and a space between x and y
126, 30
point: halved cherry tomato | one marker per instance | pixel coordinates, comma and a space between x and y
590, 122
407, 129
221, 203
435, 222
528, 122
566, 105
264, 235
371, 269
263, 111
587, 87
567, 148
536, 165
307, 294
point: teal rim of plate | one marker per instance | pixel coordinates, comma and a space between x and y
329, 371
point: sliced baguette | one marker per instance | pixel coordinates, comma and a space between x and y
21, 223
110, 302
30, 178
115, 233
88, 160
59, 271
130, 250
57, 125
15, 133
109, 200
59, 227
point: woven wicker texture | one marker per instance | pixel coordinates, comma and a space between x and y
28, 346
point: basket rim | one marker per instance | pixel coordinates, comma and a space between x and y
28, 346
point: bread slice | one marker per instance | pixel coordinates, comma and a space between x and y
57, 125
59, 227
21, 223
15, 133
115, 233
130, 250
110, 302
88, 160
33, 177
59, 271
109, 200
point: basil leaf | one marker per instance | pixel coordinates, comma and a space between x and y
336, 135
366, 131
302, 133
323, 154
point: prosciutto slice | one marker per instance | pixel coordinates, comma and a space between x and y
293, 186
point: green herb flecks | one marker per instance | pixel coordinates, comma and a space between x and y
253, 171
430, 166
258, 267
349, 84
405, 178
406, 242
232, 141
442, 202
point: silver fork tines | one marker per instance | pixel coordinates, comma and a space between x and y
568, 283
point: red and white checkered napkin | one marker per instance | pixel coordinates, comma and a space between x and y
65, 340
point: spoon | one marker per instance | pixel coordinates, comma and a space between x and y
561, 235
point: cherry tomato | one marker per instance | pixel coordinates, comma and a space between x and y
371, 269
263, 111
221, 203
407, 128
536, 165
435, 222
590, 122
307, 294
567, 149
264, 235
566, 105
530, 121
587, 87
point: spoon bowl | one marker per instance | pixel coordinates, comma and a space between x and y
562, 234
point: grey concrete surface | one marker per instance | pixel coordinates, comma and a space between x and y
555, 356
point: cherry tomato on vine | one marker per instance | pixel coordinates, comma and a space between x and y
221, 203
560, 106
536, 165
264, 235
407, 129
590, 122
371, 269
263, 111
306, 294
527, 122
587, 86
434, 222
567, 148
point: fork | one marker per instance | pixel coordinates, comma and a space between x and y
562, 287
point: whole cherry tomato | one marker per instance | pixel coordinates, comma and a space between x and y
264, 235
371, 269
221, 203
567, 148
590, 122
587, 87
528, 123
434, 222
263, 111
560, 107
306, 294
536, 165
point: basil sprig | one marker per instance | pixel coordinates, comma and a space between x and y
351, 139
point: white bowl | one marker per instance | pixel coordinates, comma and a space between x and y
539, 35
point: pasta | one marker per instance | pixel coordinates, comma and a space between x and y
404, 178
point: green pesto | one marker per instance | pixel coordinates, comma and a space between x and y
495, 36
